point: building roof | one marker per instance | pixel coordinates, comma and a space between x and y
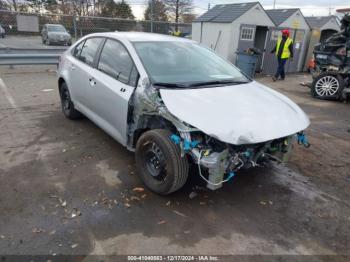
225, 13
278, 16
317, 21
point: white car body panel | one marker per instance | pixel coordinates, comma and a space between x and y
239, 114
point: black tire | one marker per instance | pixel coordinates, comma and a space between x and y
169, 171
67, 105
320, 90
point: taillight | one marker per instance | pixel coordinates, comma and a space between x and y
341, 51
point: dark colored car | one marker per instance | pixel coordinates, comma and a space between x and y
332, 65
55, 34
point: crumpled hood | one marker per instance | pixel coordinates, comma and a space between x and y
238, 114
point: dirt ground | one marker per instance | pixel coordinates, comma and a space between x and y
25, 42
67, 187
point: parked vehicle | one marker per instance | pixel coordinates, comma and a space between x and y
2, 32
55, 34
332, 65
176, 103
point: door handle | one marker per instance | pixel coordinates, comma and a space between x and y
72, 67
92, 81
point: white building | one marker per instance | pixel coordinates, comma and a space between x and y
230, 28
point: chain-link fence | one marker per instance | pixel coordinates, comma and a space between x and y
82, 25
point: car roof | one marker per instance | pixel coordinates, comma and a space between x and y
142, 37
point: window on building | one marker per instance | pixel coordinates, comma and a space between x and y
247, 34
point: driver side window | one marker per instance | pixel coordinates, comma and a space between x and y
116, 62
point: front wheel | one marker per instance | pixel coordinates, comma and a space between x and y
159, 162
327, 86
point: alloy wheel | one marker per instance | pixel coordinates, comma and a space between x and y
327, 86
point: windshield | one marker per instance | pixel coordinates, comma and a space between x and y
56, 28
184, 64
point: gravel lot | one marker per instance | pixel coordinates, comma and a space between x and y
67, 187
24, 42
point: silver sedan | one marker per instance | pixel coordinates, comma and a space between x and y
176, 103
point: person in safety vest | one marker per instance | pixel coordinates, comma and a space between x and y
284, 51
176, 33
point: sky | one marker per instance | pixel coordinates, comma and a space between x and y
309, 8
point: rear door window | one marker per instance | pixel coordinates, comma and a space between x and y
77, 49
117, 63
89, 50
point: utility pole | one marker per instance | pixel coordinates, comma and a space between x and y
208, 6
274, 4
152, 13
330, 10
177, 4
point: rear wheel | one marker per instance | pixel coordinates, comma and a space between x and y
159, 162
66, 103
327, 86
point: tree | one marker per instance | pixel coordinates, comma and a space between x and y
38, 5
120, 9
178, 8
188, 18
14, 5
35, 4
159, 11
4, 5
51, 5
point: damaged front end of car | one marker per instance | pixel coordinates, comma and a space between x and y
217, 161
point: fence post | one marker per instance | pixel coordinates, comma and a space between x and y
75, 27
152, 11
